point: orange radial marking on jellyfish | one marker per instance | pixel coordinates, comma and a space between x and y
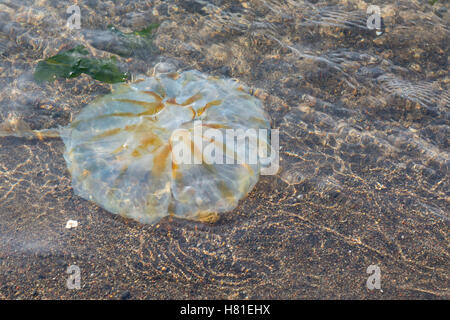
144, 104
122, 172
155, 108
174, 75
192, 99
194, 114
194, 150
246, 166
157, 97
118, 114
131, 127
39, 136
209, 167
208, 105
215, 126
172, 101
228, 152
149, 139
258, 120
83, 176
218, 144
176, 174
225, 191
135, 153
119, 149
208, 216
159, 162
151, 111
106, 134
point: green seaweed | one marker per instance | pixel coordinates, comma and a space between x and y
432, 2
72, 63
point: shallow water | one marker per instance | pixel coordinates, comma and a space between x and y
364, 153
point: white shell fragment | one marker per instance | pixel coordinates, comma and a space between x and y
71, 224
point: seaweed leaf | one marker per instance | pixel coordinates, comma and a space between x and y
74, 62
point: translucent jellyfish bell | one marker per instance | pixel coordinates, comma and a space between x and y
153, 147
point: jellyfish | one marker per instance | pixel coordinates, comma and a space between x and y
175, 144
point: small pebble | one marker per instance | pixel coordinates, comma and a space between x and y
71, 224
125, 295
